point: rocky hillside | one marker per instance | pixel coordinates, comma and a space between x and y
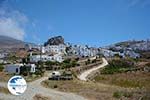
8, 42
143, 45
55, 41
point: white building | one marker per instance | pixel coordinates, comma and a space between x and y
16, 68
59, 49
13, 68
3, 55
109, 53
36, 58
83, 50
131, 54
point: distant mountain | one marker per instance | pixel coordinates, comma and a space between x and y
9, 43
55, 41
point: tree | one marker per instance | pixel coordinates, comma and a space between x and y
77, 59
67, 61
73, 63
24, 61
87, 62
1, 67
24, 70
94, 61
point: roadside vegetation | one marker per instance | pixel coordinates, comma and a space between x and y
1, 67
124, 73
5, 77
41, 97
118, 66
119, 94
4, 90
88, 90
94, 91
25, 71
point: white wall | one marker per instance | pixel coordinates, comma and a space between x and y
12, 69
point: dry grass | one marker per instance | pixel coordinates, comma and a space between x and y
128, 80
4, 77
88, 90
31, 78
4, 90
41, 97
92, 91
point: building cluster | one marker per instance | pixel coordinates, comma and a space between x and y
3, 55
126, 49
44, 58
142, 45
58, 52
59, 49
125, 53
82, 50
50, 53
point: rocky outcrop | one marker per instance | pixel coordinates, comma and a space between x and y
55, 41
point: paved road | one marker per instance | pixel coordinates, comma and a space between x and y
35, 87
83, 76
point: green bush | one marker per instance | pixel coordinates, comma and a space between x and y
117, 66
49, 63
55, 86
87, 62
94, 61
1, 67
119, 94
68, 63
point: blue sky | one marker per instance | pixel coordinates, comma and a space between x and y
92, 22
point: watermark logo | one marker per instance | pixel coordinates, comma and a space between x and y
17, 85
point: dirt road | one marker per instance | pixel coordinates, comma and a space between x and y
83, 76
35, 87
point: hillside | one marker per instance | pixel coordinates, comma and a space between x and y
143, 45
8, 42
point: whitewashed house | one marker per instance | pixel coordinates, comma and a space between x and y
109, 53
16, 68
36, 58
13, 68
131, 54
3, 55
83, 50
59, 49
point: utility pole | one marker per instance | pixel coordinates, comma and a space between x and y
40, 53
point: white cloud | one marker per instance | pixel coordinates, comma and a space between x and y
142, 3
12, 23
133, 3
9, 27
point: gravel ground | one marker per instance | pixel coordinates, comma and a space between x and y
35, 87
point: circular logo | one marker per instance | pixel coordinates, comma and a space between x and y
17, 85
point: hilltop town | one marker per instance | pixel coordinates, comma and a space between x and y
55, 49
56, 62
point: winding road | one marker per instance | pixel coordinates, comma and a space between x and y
35, 87
83, 76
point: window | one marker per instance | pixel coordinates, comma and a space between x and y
16, 70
